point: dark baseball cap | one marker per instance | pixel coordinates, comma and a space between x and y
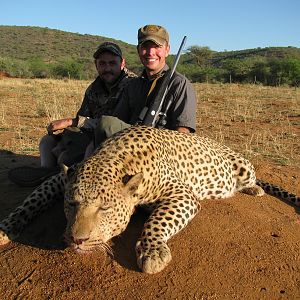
154, 33
108, 47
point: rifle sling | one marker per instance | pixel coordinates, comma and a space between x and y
154, 96
151, 90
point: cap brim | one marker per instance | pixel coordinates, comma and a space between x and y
100, 51
155, 40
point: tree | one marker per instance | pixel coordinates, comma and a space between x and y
202, 55
237, 69
293, 71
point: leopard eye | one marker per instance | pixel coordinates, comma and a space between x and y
104, 208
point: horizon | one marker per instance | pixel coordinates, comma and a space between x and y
221, 26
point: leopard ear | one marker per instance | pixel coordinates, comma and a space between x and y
64, 169
68, 171
133, 183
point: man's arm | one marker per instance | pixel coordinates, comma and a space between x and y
81, 115
182, 112
59, 124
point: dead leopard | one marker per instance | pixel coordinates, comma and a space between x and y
167, 170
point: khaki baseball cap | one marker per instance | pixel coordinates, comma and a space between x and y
154, 33
110, 47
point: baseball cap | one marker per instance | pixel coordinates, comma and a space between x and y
154, 33
110, 47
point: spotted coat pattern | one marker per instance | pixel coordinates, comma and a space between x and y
166, 170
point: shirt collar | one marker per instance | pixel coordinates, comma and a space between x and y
159, 74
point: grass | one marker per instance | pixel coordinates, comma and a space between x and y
259, 122
262, 123
27, 107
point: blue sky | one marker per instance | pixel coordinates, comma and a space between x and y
220, 25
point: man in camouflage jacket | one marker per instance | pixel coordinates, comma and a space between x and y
100, 99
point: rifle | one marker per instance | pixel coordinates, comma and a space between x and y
155, 115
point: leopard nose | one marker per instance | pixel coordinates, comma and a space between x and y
78, 241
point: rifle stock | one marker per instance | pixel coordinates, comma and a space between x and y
153, 115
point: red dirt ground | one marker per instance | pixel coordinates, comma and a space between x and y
240, 248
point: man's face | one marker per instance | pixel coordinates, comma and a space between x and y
153, 56
109, 67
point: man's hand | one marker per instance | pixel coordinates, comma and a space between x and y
183, 129
59, 124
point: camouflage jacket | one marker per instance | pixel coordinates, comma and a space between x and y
99, 100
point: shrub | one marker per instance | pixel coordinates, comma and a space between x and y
68, 68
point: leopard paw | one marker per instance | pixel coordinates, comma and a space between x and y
152, 260
254, 191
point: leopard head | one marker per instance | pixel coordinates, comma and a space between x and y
97, 208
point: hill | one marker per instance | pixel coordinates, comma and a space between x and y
269, 52
51, 46
26, 42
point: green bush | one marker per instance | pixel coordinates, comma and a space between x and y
15, 67
38, 68
68, 68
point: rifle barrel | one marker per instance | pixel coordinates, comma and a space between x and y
158, 113
178, 55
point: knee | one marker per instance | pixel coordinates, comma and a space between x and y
47, 142
110, 125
